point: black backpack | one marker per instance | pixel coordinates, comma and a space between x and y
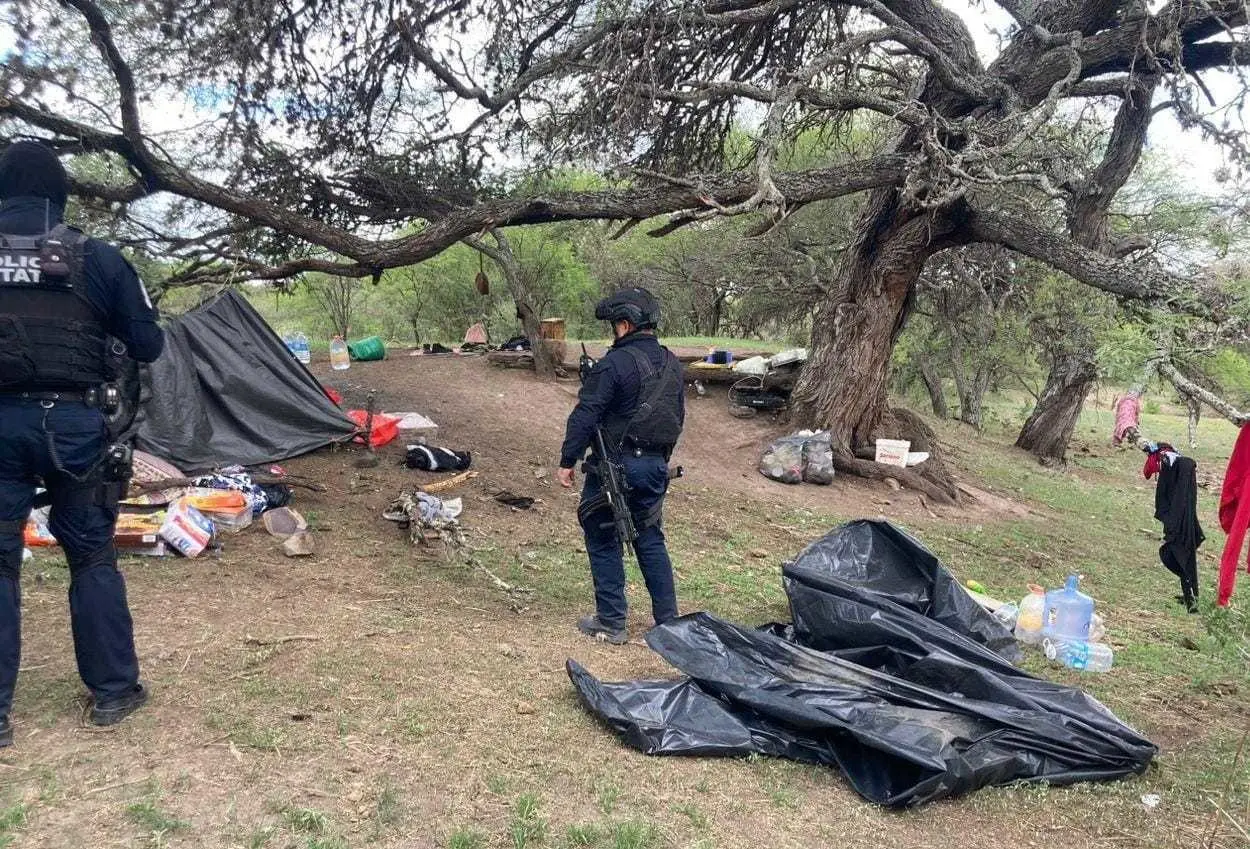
659, 418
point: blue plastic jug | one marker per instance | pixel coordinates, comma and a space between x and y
1068, 613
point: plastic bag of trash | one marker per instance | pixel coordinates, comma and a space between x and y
783, 461
818, 459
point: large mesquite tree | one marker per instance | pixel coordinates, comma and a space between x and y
318, 130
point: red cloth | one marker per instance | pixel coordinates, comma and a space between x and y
1153, 459
1234, 514
385, 428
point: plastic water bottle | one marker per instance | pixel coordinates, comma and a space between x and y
339, 358
301, 350
1008, 614
1086, 657
1029, 616
1068, 613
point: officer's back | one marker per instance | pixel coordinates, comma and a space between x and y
64, 302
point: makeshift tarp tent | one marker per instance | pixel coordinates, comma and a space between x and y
888, 672
226, 390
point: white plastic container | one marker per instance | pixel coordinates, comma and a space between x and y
340, 359
1029, 621
893, 452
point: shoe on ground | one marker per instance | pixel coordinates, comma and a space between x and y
591, 626
114, 711
6, 732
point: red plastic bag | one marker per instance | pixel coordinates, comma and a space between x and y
333, 396
385, 428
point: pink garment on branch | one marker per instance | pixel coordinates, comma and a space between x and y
1127, 416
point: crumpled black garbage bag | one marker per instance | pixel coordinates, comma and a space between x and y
911, 709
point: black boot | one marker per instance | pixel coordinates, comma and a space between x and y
593, 626
114, 711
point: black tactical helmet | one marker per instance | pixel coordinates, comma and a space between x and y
637, 306
32, 168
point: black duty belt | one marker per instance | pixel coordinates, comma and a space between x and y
94, 396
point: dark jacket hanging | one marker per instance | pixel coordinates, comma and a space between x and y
1176, 506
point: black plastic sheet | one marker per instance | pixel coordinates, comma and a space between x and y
890, 673
226, 390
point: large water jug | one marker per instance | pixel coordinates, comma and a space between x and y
302, 352
1068, 613
339, 358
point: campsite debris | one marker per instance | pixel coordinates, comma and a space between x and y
893, 452
448, 483
370, 459
431, 458
382, 430
415, 421
371, 348
188, 530
1079, 655
1150, 801
802, 456
282, 522
259, 478
340, 359
298, 544
858, 625
432, 523
516, 502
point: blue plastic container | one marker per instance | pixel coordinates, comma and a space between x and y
1068, 613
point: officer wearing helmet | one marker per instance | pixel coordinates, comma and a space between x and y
67, 305
636, 395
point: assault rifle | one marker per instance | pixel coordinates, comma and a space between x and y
611, 475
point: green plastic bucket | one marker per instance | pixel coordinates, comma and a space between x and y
369, 348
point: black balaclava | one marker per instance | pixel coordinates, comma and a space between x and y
32, 169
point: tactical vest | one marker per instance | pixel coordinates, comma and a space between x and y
51, 336
656, 424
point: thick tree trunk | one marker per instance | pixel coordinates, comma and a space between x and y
843, 386
973, 398
933, 383
1049, 429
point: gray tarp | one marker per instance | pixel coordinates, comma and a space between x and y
226, 390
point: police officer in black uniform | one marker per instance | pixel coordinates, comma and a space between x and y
67, 304
637, 396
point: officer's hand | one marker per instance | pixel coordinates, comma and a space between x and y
565, 477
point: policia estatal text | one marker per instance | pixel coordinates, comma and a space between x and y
635, 399
70, 307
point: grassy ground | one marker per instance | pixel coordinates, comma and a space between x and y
368, 698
